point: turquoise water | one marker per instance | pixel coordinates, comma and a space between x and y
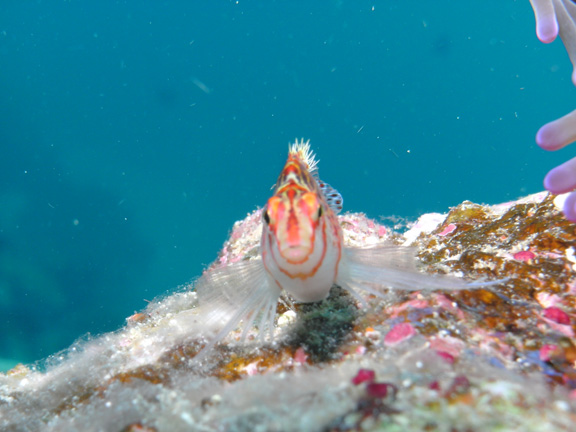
134, 134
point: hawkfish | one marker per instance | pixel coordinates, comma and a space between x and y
302, 255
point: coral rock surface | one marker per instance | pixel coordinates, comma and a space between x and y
495, 358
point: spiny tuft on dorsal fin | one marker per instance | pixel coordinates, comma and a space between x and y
303, 151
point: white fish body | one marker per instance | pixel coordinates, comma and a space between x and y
302, 255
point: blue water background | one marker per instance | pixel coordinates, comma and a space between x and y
134, 133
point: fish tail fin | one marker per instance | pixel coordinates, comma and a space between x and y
239, 293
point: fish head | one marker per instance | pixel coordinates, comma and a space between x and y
293, 218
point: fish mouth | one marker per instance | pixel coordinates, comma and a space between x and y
296, 254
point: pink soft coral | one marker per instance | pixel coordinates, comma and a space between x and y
555, 17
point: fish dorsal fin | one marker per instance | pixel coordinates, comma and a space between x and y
303, 151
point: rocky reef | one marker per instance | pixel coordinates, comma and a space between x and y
498, 357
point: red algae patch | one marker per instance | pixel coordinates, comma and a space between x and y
378, 390
364, 375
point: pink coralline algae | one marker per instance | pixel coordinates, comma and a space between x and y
446, 356
447, 230
300, 356
524, 256
492, 357
399, 333
546, 352
557, 315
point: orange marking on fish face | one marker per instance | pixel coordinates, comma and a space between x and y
292, 217
273, 212
302, 222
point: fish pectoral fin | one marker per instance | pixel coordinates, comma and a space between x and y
379, 268
332, 196
388, 256
235, 294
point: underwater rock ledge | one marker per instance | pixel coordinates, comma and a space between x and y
501, 357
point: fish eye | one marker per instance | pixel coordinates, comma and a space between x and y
266, 217
320, 211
